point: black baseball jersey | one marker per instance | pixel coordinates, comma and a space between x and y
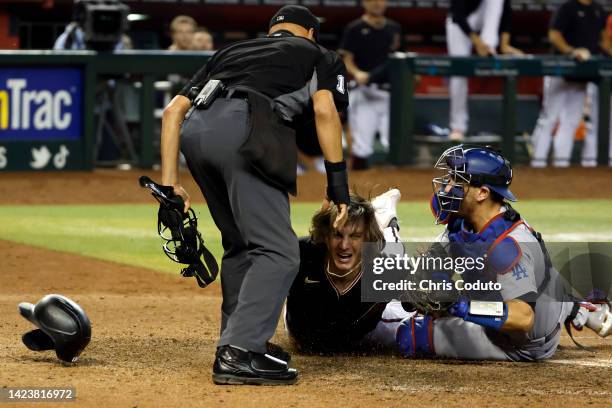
581, 25
318, 317
459, 11
369, 45
282, 66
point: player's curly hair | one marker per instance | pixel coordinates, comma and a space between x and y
359, 208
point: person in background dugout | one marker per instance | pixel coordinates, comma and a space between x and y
480, 25
577, 29
182, 29
593, 95
202, 40
365, 48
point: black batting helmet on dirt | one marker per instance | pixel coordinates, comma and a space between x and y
62, 325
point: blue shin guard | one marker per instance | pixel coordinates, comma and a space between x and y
414, 337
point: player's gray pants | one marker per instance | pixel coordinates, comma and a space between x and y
261, 256
485, 19
563, 103
455, 338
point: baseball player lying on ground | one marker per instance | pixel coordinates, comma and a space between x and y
324, 311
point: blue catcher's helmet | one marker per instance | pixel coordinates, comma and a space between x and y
476, 166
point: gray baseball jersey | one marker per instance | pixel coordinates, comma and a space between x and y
456, 338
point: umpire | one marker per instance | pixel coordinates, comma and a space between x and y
239, 114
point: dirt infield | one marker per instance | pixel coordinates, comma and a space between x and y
154, 338
154, 334
112, 186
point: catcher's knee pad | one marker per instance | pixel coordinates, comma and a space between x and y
414, 337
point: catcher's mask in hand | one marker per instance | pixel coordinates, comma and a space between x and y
179, 230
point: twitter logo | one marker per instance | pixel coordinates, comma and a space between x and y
40, 157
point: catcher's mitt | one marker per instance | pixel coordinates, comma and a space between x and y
434, 289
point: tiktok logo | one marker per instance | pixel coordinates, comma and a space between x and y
59, 160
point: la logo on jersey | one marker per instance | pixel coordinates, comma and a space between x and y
40, 104
340, 85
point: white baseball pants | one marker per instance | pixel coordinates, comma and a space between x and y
368, 114
563, 102
485, 20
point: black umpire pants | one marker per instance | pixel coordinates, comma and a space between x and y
261, 252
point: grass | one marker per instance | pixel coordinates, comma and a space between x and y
127, 233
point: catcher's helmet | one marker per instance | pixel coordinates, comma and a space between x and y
62, 325
473, 165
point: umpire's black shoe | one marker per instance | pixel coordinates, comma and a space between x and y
237, 366
277, 351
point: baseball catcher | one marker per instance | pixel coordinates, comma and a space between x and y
183, 242
521, 320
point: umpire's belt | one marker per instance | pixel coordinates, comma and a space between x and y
234, 94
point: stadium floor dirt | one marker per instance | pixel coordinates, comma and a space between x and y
113, 186
154, 334
154, 339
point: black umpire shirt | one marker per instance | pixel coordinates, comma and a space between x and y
287, 68
459, 11
318, 317
369, 45
580, 25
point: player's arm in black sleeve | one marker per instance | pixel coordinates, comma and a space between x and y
505, 28
606, 43
559, 23
380, 74
348, 48
606, 39
459, 15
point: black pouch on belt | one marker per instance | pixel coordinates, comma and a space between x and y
270, 147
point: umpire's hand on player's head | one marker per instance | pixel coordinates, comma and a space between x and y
342, 215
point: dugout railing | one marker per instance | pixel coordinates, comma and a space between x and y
405, 66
